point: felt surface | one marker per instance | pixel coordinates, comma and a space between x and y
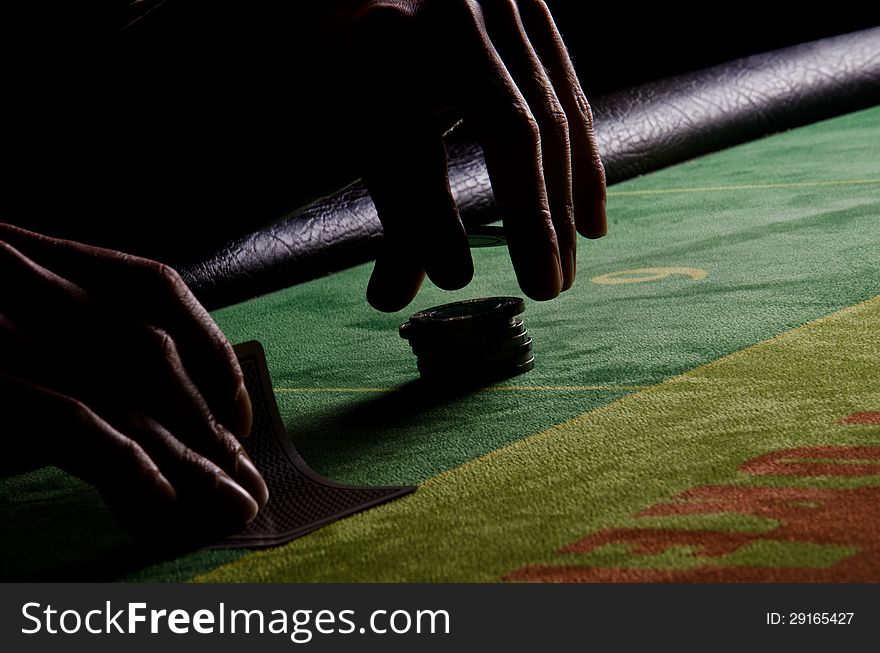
730, 250
624, 471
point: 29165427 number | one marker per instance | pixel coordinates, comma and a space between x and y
809, 618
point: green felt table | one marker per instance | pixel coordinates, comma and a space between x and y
704, 404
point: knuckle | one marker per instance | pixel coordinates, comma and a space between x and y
168, 273
78, 412
469, 8
189, 458
167, 277
381, 18
457, 13
557, 122
222, 436
164, 283
541, 6
583, 106
161, 342
523, 124
158, 276
600, 170
130, 449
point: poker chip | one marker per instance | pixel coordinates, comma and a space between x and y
476, 341
471, 315
486, 236
488, 335
486, 348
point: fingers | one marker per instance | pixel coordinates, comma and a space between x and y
145, 475
31, 281
587, 170
510, 136
204, 350
509, 37
403, 164
509, 75
412, 195
50, 428
167, 393
397, 277
70, 345
153, 293
205, 493
422, 229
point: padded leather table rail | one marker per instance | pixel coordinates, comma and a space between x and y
639, 129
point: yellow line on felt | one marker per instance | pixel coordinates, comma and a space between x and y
330, 390
496, 388
548, 433
560, 388
718, 189
681, 378
529, 441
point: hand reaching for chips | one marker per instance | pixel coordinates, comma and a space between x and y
225, 116
501, 65
112, 370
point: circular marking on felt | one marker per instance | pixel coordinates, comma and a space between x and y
641, 275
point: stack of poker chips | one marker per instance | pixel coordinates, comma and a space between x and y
473, 342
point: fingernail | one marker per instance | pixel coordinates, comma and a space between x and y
237, 498
601, 227
250, 477
243, 412
569, 263
555, 276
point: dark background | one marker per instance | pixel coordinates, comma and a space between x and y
617, 44
138, 144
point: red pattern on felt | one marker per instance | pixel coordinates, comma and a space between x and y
862, 418
804, 461
849, 517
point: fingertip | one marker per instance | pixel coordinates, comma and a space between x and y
381, 299
538, 271
251, 479
243, 506
242, 412
453, 275
596, 224
394, 283
542, 285
541, 294
569, 267
441, 245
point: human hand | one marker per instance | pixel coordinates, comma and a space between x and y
502, 66
112, 370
